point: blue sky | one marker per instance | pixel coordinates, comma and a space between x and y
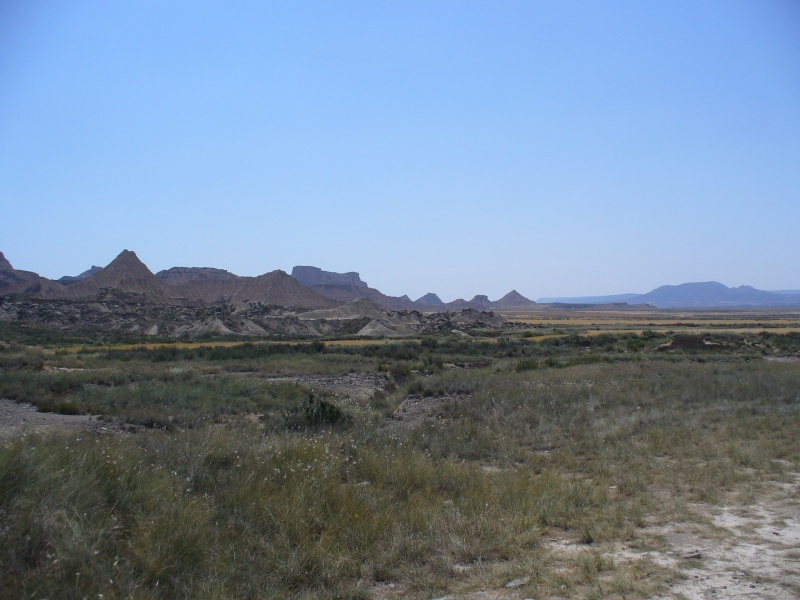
558, 148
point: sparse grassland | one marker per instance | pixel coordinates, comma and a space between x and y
294, 470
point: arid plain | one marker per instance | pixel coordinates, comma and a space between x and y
562, 454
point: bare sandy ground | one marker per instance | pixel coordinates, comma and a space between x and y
747, 550
18, 417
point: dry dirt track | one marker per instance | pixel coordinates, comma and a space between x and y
15, 418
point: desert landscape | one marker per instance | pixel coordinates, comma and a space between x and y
206, 444
415, 300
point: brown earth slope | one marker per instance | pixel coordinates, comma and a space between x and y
13, 281
276, 288
181, 275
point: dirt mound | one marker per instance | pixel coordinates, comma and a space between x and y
377, 329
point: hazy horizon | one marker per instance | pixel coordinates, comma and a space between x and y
559, 149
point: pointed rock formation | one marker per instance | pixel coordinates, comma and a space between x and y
126, 273
513, 299
429, 299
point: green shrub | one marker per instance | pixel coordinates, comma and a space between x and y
313, 413
526, 364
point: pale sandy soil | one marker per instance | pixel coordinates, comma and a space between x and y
17, 417
732, 551
747, 550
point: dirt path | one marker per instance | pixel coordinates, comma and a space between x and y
16, 417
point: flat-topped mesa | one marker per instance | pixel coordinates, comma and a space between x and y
344, 287
309, 276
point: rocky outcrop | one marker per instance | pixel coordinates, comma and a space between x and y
120, 312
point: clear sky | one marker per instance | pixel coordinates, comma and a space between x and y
554, 147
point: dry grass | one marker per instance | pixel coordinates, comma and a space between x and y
467, 498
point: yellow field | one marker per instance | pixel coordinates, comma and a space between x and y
593, 323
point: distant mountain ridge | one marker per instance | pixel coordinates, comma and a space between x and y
341, 287
127, 277
708, 294
182, 286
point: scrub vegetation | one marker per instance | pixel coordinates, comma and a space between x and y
418, 468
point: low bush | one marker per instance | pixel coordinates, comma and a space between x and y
313, 413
